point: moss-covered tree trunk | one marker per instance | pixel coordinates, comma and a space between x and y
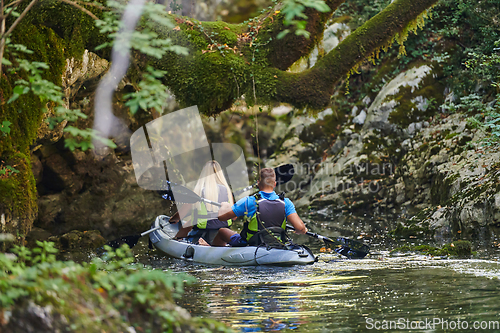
55, 32
314, 87
227, 61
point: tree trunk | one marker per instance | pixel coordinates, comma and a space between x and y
227, 61
314, 87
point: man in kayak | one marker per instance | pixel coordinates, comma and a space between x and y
263, 210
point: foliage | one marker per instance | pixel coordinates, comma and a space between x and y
5, 127
293, 11
359, 11
474, 68
145, 40
5, 170
484, 103
151, 94
103, 286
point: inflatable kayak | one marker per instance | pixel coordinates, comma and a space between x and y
236, 256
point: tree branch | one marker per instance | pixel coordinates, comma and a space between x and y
287, 50
16, 22
4, 36
14, 5
86, 11
314, 87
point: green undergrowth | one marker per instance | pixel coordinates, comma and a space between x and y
458, 248
109, 294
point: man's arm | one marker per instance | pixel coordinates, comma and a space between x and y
226, 212
297, 223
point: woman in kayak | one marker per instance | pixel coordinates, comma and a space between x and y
211, 185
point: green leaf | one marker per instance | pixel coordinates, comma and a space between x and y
283, 34
70, 143
13, 98
5, 126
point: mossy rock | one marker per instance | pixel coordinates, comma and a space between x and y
78, 240
92, 239
457, 248
54, 31
408, 111
412, 231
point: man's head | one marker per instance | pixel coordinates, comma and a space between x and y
267, 179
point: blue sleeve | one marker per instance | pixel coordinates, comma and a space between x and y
289, 207
243, 205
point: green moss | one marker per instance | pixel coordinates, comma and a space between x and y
407, 112
210, 77
75, 29
54, 32
451, 136
18, 196
226, 33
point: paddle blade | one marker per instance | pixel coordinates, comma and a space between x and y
351, 248
284, 173
131, 241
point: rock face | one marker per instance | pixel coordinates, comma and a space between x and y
108, 199
449, 171
78, 191
396, 155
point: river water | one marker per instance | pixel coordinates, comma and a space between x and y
406, 293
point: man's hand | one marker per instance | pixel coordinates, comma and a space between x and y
225, 206
302, 232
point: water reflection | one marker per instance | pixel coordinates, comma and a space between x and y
341, 295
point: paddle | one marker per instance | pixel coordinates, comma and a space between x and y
283, 173
169, 229
344, 246
182, 194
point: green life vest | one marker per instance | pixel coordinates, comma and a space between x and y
204, 220
268, 214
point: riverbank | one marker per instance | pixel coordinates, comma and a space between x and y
110, 293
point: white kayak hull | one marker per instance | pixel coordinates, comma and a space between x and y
233, 256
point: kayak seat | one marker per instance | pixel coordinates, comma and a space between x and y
272, 238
